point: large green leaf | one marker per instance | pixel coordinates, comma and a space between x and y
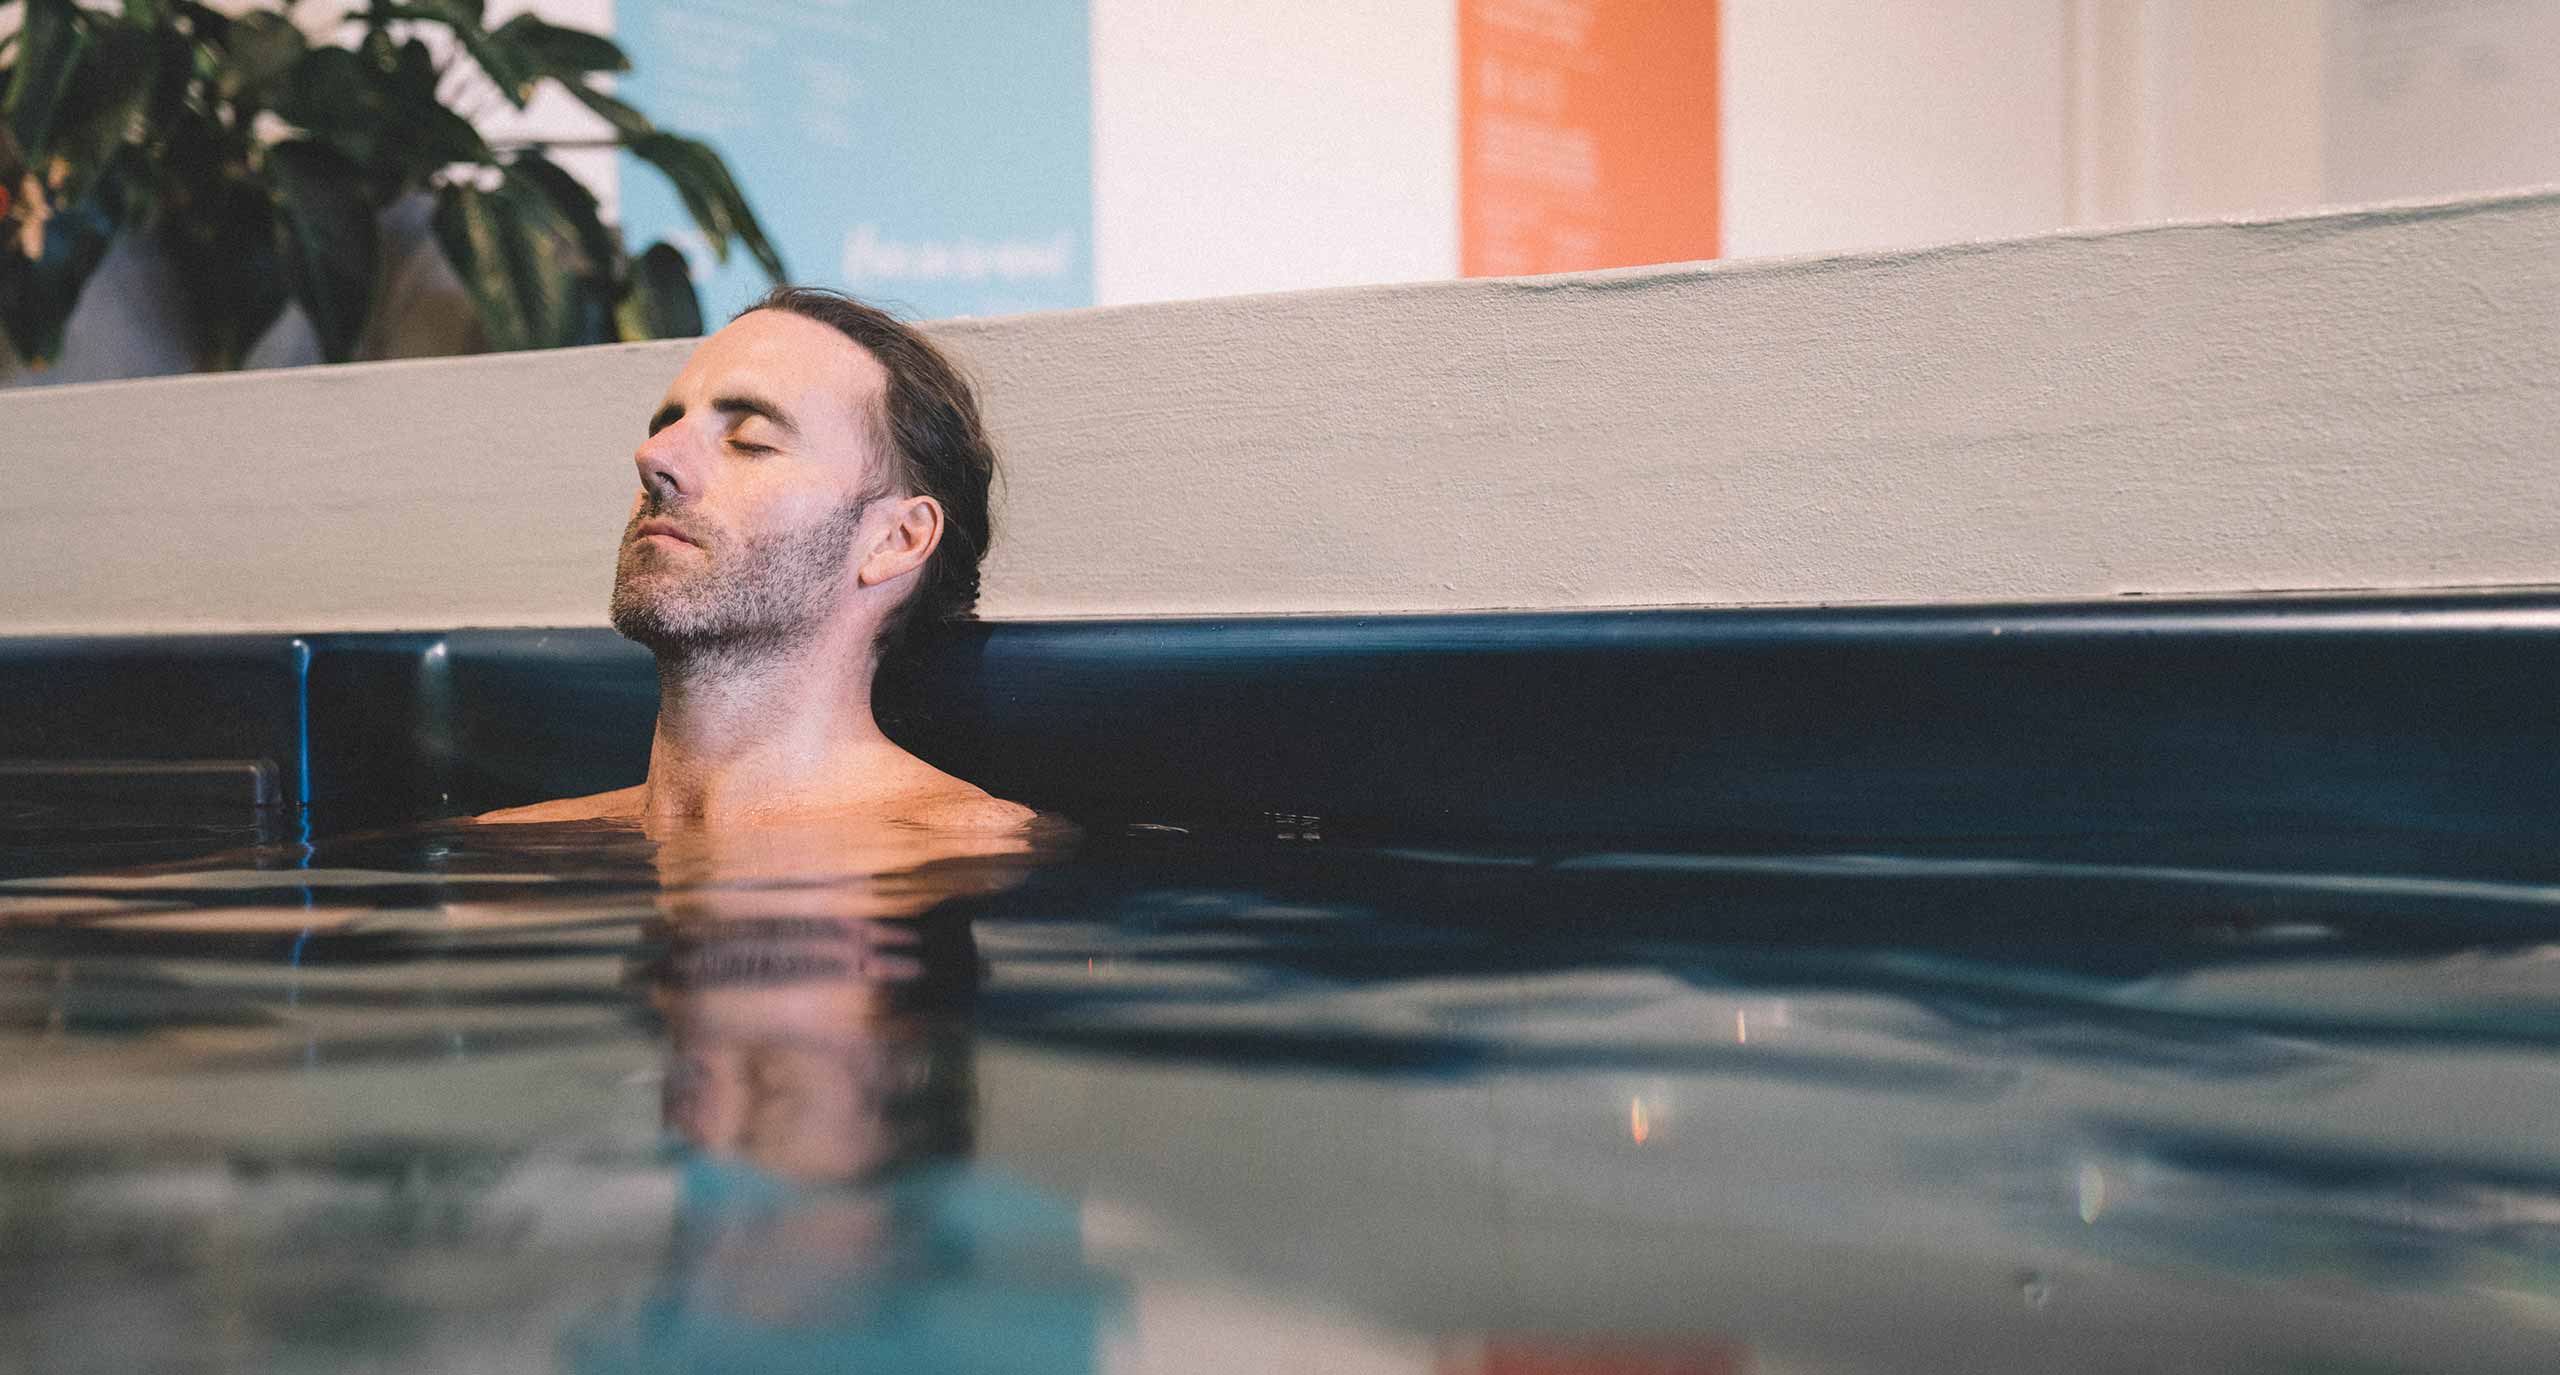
431, 135
37, 296
263, 47
390, 124
453, 14
659, 301
576, 206
626, 121
173, 71
512, 80
51, 42
327, 239
204, 23
438, 138
106, 106
334, 94
222, 241
710, 195
515, 261
547, 49
502, 63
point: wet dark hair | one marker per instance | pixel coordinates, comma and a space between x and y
927, 425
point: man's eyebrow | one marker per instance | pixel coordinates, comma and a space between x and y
732, 406
743, 404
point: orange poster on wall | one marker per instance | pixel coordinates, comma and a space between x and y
1586, 134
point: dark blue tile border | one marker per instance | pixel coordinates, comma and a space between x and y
2249, 715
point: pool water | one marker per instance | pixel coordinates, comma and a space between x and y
1164, 1097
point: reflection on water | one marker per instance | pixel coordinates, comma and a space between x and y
818, 1099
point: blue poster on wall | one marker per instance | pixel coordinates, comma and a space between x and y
936, 159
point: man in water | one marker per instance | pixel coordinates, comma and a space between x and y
813, 486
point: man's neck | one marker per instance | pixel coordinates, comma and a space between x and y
747, 732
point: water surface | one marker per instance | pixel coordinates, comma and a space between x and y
1181, 1098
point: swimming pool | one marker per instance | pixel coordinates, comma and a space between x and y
2125, 987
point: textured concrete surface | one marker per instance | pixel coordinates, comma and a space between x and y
2358, 400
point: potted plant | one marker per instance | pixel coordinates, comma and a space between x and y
262, 162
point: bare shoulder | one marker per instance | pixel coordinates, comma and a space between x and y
965, 807
928, 797
620, 804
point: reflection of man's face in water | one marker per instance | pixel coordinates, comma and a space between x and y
815, 985
816, 994
819, 1048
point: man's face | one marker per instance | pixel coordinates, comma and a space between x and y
753, 487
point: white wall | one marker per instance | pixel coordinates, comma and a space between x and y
1854, 124
1242, 148
1329, 130
2439, 98
2204, 107
2196, 107
2353, 401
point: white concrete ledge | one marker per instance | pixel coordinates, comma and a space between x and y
2358, 400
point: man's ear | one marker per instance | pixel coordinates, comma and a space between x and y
908, 542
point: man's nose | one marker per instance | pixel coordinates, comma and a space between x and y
664, 472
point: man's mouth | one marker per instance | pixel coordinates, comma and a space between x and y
663, 529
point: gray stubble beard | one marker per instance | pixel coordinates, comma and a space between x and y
749, 600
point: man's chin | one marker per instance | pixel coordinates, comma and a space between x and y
670, 625
648, 613
646, 630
